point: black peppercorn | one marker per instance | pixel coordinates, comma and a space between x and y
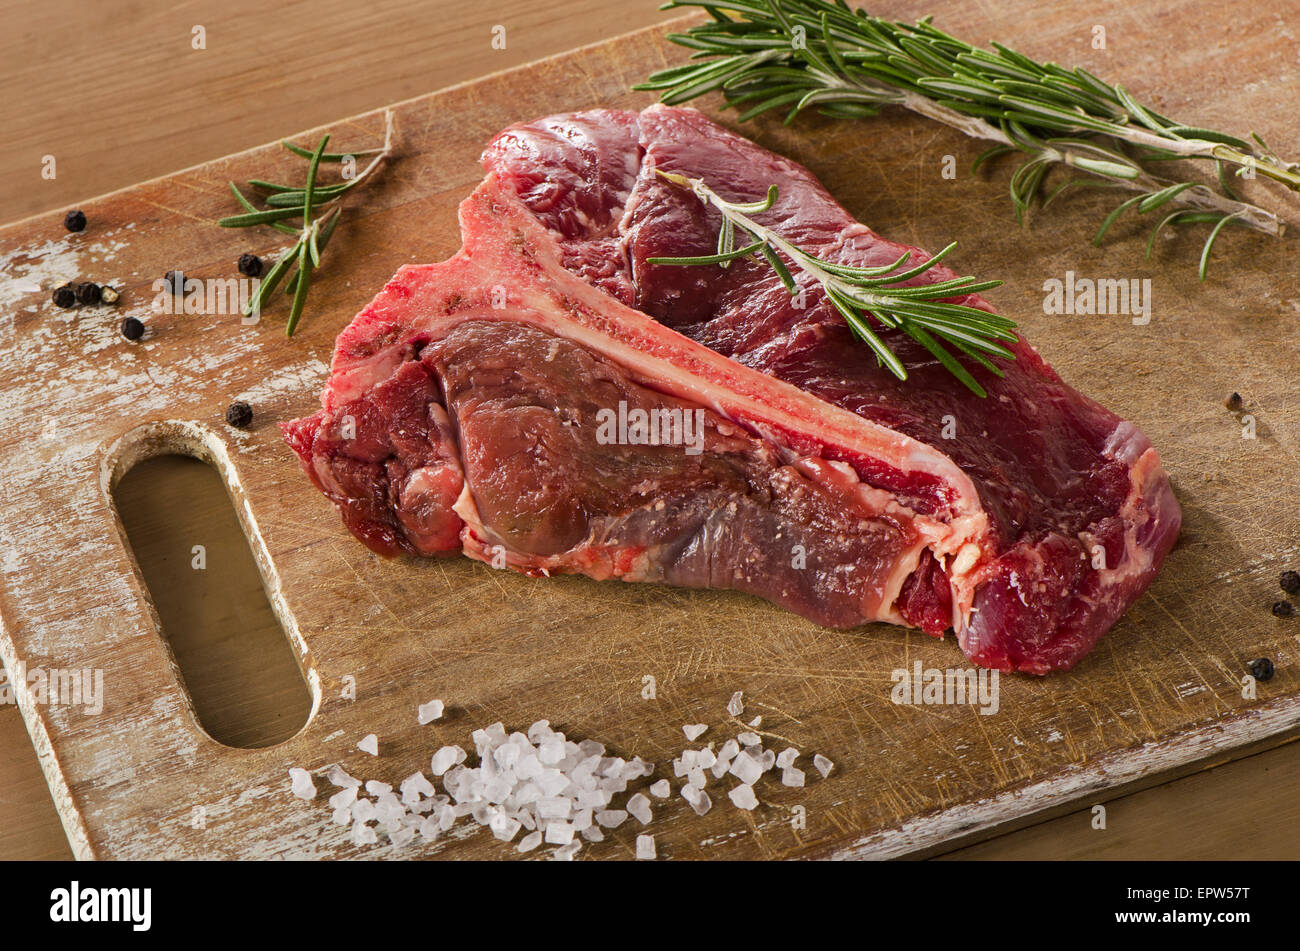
1290, 582
108, 295
250, 265
239, 414
1283, 609
175, 282
132, 328
88, 292
1262, 669
75, 220
1233, 402
64, 296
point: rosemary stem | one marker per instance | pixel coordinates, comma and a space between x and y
793, 55
1200, 198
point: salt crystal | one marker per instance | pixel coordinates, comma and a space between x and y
611, 818
743, 797
582, 820
539, 729
567, 853
376, 788
645, 847
824, 766
364, 810
728, 751
551, 752
746, 769
415, 786
489, 737
694, 731
339, 777
554, 807
662, 789
552, 782
369, 744
429, 829
706, 759
750, 739
756, 722
428, 712
445, 758
639, 806
343, 816
698, 799
301, 785
528, 765
593, 834
559, 832
529, 842
504, 827
735, 706
787, 757
402, 836
792, 777
506, 756
767, 760
344, 798
363, 834
697, 778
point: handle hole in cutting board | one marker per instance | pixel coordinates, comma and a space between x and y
238, 666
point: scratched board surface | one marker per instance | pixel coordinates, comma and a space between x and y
1163, 690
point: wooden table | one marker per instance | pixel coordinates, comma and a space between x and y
157, 104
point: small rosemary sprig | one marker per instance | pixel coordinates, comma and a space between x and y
921, 312
284, 202
795, 54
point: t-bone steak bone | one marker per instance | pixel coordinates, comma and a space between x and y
468, 410
1079, 511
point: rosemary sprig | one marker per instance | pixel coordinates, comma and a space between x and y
285, 202
796, 54
861, 294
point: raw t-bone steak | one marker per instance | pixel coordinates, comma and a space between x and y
469, 409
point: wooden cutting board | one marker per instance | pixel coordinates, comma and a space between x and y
1163, 691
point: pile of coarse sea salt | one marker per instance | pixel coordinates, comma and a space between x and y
540, 787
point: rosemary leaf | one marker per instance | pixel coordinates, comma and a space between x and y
300, 292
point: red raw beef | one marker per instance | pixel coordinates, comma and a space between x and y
464, 409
